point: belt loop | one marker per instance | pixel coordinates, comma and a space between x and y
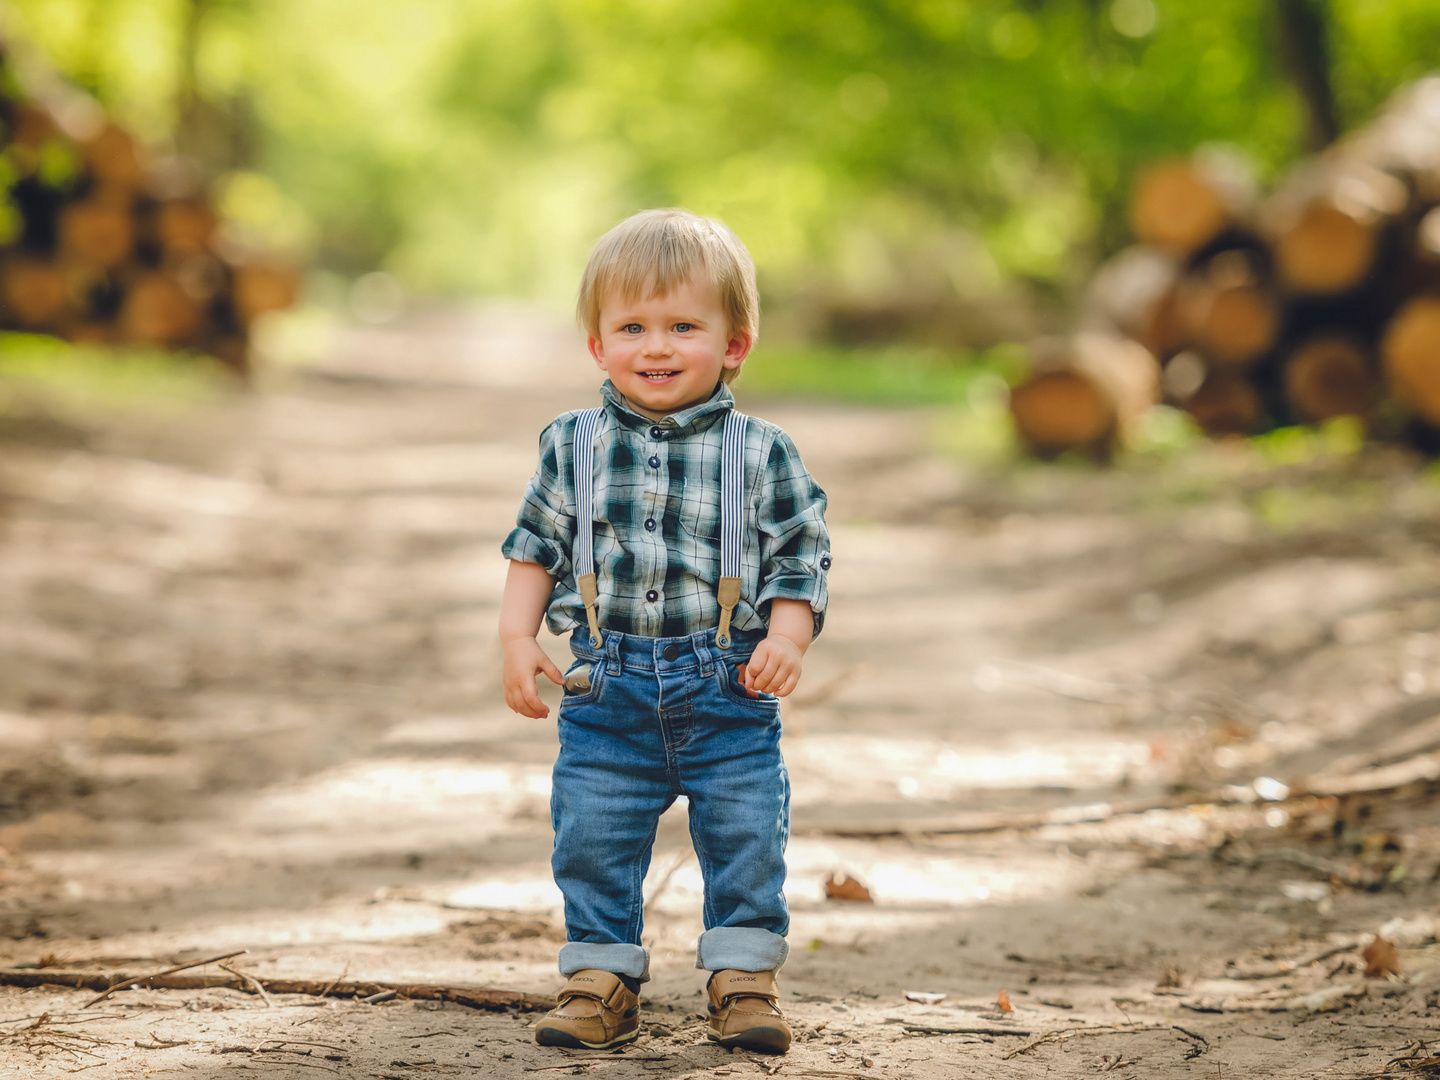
701, 642
612, 651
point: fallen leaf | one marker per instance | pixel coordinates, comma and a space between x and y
1381, 959
1002, 1002
845, 887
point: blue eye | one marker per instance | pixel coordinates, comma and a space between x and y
684, 327
633, 328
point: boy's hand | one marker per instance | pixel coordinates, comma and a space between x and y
523, 658
774, 667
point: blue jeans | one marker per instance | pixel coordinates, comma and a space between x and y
666, 717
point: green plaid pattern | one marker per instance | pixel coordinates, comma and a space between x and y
657, 522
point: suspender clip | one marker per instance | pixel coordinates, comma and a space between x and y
590, 593
729, 596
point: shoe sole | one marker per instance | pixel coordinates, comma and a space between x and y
763, 1040
552, 1036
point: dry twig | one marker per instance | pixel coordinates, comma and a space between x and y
967, 1029
473, 997
253, 982
1069, 1033
168, 971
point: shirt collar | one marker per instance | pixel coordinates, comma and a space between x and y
696, 416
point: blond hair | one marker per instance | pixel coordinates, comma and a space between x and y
655, 251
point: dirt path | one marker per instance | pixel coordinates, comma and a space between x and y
248, 699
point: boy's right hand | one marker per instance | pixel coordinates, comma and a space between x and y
523, 659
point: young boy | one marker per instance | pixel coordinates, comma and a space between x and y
685, 546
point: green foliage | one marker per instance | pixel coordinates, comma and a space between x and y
899, 375
49, 377
870, 151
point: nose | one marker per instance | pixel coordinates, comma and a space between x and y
657, 343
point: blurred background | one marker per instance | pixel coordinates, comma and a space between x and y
945, 173
1110, 327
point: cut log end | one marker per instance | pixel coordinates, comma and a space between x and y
35, 292
1083, 391
1411, 352
1225, 404
1237, 324
1176, 208
157, 311
1331, 376
1325, 250
259, 289
98, 232
1061, 410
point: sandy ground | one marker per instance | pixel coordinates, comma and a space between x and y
249, 700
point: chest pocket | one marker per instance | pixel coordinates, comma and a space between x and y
698, 509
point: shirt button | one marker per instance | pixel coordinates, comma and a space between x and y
649, 524
655, 433
825, 563
671, 652
654, 461
652, 596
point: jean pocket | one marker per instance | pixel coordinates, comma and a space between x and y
728, 675
583, 680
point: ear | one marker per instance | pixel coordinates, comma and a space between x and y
738, 348
597, 351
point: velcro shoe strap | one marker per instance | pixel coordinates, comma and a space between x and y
602, 986
730, 985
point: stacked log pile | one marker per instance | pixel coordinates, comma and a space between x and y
1322, 300
99, 245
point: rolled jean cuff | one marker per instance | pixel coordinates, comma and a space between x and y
619, 959
742, 948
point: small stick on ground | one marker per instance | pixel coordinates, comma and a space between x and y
253, 982
338, 980
1070, 1033
157, 1043
168, 971
968, 1029
472, 997
571, 1064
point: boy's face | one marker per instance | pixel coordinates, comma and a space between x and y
666, 353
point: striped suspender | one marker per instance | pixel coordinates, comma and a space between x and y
584, 480
732, 518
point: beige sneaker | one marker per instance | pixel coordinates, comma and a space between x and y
743, 1012
593, 1011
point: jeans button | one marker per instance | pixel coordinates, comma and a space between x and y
652, 596
649, 524
672, 652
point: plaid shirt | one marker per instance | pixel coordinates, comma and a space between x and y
657, 521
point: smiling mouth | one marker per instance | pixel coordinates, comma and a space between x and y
658, 375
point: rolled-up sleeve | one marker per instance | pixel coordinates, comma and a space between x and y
794, 543
544, 530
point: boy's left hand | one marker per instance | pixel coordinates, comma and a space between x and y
774, 667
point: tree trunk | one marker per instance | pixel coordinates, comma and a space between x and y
1305, 51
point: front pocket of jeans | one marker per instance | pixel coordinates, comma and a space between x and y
734, 690
597, 678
